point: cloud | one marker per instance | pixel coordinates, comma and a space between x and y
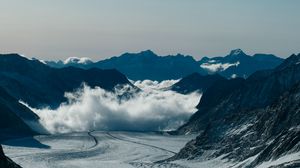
214, 67
148, 85
152, 109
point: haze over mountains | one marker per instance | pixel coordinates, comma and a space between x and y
248, 115
148, 65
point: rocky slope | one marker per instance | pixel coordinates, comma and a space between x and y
40, 85
13, 118
196, 82
6, 162
250, 121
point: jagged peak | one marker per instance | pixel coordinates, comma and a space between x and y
290, 61
145, 53
237, 52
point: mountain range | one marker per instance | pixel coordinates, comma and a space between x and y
148, 65
239, 64
248, 121
248, 114
39, 85
196, 82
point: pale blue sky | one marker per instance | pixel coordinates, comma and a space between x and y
57, 29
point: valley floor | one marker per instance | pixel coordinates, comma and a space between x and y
96, 149
112, 150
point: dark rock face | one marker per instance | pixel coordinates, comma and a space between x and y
13, 116
196, 82
148, 65
6, 162
145, 65
239, 119
39, 85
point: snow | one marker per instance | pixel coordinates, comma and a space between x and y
76, 60
215, 67
236, 52
42, 61
116, 150
112, 149
285, 160
238, 130
218, 162
233, 76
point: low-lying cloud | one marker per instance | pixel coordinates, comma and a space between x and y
152, 109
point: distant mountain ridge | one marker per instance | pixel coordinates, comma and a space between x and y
71, 61
39, 85
239, 64
148, 65
249, 121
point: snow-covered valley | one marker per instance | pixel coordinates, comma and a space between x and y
96, 149
102, 149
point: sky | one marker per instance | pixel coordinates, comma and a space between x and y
99, 29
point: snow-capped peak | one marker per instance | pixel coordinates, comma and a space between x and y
76, 60
236, 52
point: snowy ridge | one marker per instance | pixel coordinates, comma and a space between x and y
76, 60
236, 52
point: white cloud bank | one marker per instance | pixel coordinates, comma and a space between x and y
216, 67
152, 109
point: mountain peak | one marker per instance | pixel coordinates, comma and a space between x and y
237, 52
76, 60
290, 61
148, 53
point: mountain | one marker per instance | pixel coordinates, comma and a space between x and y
249, 122
40, 85
196, 81
6, 162
72, 61
239, 64
15, 117
148, 65
144, 65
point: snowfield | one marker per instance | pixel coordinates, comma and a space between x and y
101, 149
96, 149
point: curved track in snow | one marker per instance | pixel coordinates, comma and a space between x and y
96, 149
94, 138
152, 146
